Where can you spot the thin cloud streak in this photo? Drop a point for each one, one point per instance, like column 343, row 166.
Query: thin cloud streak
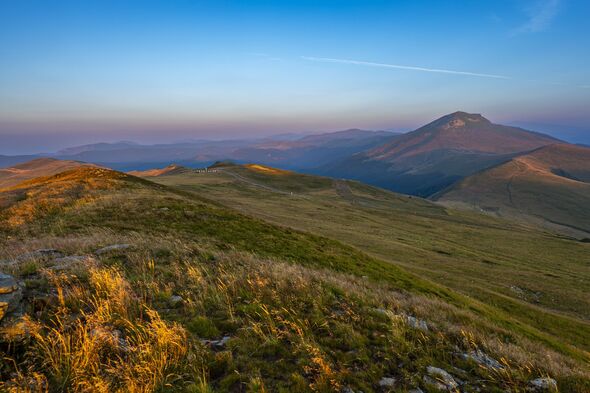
column 403, row 67
column 540, row 16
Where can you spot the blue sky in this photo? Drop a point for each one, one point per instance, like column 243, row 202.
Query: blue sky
column 84, row 71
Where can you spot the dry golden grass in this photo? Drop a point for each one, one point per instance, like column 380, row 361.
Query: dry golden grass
column 105, row 331
column 100, row 339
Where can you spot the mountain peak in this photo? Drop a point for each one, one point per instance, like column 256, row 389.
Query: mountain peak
column 459, row 120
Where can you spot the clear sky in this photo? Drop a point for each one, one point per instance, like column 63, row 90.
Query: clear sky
column 83, row 71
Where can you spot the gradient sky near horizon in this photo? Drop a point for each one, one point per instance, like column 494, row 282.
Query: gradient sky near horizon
column 76, row 72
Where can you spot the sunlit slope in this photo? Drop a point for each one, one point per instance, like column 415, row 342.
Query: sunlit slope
column 35, row 168
column 550, row 185
column 538, row 277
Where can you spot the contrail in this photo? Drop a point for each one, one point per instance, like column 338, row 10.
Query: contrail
column 402, row 67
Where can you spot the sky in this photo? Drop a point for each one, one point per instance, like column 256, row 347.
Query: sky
column 84, row 71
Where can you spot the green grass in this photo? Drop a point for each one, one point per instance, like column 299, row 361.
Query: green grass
column 539, row 278
column 304, row 310
column 292, row 328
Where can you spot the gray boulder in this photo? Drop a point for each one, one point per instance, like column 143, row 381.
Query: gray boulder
column 417, row 323
column 483, row 359
column 114, row 247
column 44, row 253
column 11, row 295
column 176, row 300
column 543, row 385
column 440, row 379
column 65, row 263
column 217, row 344
column 387, row 382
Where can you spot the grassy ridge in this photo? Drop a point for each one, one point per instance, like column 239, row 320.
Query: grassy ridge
column 236, row 276
column 539, row 278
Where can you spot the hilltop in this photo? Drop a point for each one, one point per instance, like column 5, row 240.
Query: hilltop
column 436, row 155
column 171, row 169
column 139, row 286
column 36, row 168
column 550, row 185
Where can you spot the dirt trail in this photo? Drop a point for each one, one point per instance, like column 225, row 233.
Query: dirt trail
column 263, row 186
column 344, row 191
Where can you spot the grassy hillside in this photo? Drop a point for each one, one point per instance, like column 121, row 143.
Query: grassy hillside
column 198, row 297
column 538, row 277
column 550, row 185
column 36, row 168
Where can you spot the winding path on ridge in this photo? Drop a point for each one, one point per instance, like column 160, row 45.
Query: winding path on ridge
column 263, row 186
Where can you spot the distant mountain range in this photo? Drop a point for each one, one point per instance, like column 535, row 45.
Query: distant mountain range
column 285, row 150
column 461, row 159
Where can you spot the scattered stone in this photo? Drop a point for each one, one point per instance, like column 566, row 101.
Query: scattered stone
column 217, row 344
column 387, row 382
column 543, row 385
column 10, row 295
column 114, row 247
column 417, row 390
column 44, row 253
column 176, row 300
column 483, row 359
column 440, row 379
column 67, row 262
column 70, row 259
column 346, row 389
column 417, row 323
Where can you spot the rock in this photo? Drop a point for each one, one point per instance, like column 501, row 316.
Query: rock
column 64, row 263
column 10, row 295
column 543, row 385
column 483, row 359
column 417, row 323
column 221, row 343
column 417, row 390
column 440, row 379
column 385, row 312
column 44, row 253
column 387, row 382
column 74, row 259
column 176, row 300
column 114, row 247
column 346, row 389
column 217, row 344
